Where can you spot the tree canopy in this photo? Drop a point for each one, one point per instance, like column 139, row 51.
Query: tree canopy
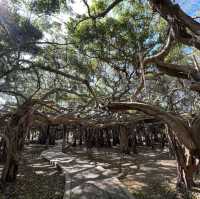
column 57, row 65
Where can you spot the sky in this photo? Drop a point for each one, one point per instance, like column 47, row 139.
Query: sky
column 191, row 7
column 79, row 7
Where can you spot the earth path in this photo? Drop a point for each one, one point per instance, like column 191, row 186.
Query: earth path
column 84, row 179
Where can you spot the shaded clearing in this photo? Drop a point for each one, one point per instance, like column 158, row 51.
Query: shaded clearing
column 151, row 174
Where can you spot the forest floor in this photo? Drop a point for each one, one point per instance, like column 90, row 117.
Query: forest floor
column 150, row 174
column 37, row 179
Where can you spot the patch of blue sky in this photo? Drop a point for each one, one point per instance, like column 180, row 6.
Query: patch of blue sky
column 191, row 7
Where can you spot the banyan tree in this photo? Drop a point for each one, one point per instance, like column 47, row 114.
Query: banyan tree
column 123, row 74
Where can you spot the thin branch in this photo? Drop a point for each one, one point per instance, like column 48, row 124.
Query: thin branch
column 107, row 10
column 14, row 93
column 55, row 90
column 75, row 78
column 88, row 7
column 101, row 14
column 164, row 51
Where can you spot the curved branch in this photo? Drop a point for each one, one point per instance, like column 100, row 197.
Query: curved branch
column 99, row 15
column 179, row 21
column 164, row 51
column 179, row 127
column 107, row 10
column 171, row 12
column 183, row 71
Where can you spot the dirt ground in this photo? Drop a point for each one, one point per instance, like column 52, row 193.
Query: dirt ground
column 37, row 179
column 151, row 174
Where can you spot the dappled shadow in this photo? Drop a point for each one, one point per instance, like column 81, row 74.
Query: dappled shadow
column 135, row 171
column 151, row 174
column 82, row 172
column 101, row 189
column 196, row 188
column 37, row 179
column 155, row 190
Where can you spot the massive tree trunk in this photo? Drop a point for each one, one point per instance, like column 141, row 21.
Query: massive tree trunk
column 17, row 129
column 11, row 165
column 14, row 149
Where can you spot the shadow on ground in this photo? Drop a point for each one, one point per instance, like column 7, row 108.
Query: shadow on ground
column 37, row 179
column 151, row 174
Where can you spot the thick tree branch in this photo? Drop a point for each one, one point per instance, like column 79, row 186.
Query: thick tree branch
column 179, row 21
column 180, row 128
column 183, row 71
column 173, row 13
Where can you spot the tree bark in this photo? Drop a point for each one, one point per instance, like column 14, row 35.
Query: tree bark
column 124, row 140
column 186, row 164
column 10, row 170
column 64, row 138
column 16, row 131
